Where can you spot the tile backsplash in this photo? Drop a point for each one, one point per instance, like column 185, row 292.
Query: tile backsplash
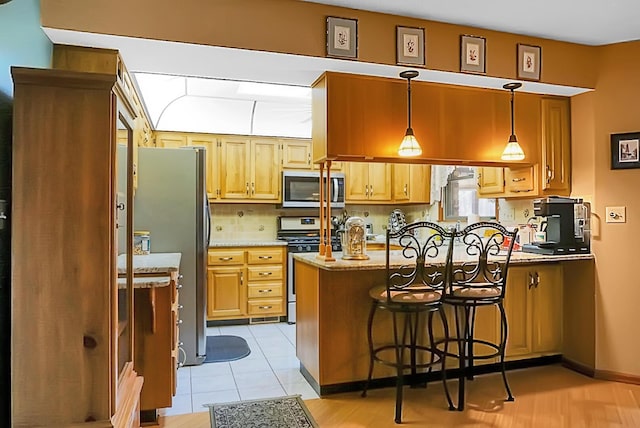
column 256, row 222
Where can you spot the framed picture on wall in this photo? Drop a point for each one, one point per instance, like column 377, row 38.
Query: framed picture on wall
column 625, row 150
column 529, row 62
column 342, row 37
column 410, row 46
column 472, row 54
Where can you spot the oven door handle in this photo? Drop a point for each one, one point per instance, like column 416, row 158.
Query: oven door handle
column 334, row 196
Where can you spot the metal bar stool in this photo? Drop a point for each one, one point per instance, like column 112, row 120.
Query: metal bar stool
column 478, row 277
column 415, row 281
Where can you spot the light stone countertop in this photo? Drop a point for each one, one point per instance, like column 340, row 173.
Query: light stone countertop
column 224, row 244
column 146, row 281
column 377, row 259
column 160, row 263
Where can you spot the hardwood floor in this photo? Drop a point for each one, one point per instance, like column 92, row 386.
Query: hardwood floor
column 550, row 396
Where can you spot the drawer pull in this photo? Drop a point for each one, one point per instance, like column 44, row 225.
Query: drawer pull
column 516, row 180
column 265, row 273
column 225, row 259
column 265, row 291
column 264, row 257
column 265, row 307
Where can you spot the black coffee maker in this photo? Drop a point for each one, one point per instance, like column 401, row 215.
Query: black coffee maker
column 567, row 226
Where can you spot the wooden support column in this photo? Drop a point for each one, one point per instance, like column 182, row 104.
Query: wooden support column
column 324, row 252
column 321, row 250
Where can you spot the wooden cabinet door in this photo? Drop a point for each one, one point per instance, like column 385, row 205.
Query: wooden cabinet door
column 209, row 142
column 357, row 181
column 171, row 140
column 556, row 146
column 490, row 181
column 235, row 165
column 265, row 170
column 296, row 154
column 420, row 184
column 226, row 293
column 401, row 182
column 547, row 309
column 517, row 304
column 380, row 182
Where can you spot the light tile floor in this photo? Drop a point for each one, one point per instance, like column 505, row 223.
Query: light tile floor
column 270, row 370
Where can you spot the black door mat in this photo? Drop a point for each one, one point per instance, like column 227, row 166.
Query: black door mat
column 226, row 348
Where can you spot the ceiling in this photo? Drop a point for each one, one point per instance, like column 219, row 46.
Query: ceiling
column 582, row 21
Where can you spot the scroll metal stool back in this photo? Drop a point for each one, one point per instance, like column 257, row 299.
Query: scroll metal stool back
column 415, row 278
column 478, row 277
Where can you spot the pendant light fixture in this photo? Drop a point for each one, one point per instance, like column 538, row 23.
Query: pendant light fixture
column 409, row 145
column 513, row 151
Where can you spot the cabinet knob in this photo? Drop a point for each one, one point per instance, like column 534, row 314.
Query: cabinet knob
column 178, row 322
column 180, row 307
column 178, row 286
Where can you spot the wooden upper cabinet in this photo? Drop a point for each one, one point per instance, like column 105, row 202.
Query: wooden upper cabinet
column 235, row 161
column 249, row 169
column 490, row 181
column 171, row 139
column 368, row 182
column 401, row 182
column 209, row 142
column 358, row 117
column 265, row 170
column 296, row 154
column 411, row 183
column 556, row 146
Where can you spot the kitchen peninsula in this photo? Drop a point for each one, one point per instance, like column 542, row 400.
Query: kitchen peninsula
column 549, row 303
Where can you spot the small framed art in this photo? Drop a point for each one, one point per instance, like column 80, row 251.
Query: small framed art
column 625, row 150
column 472, row 54
column 342, row 37
column 410, row 46
column 529, row 62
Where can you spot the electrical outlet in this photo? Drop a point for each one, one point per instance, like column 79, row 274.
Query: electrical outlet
column 507, row 214
column 616, row 214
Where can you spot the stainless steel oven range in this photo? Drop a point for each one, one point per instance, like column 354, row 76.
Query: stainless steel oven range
column 303, row 236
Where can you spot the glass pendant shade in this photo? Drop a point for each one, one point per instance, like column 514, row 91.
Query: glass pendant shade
column 513, row 151
column 409, row 145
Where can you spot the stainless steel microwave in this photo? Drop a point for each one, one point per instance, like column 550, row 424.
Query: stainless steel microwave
column 301, row 189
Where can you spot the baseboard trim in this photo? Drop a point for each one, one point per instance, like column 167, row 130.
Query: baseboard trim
column 617, row 377
column 425, row 377
column 578, row 367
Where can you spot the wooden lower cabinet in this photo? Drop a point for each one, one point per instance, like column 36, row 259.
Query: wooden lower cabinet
column 156, row 349
column 331, row 340
column 533, row 303
column 246, row 282
column 226, row 292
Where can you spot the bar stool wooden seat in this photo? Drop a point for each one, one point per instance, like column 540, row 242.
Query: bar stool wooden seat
column 478, row 278
column 415, row 281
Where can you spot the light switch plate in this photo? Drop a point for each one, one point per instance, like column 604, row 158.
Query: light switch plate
column 616, row 214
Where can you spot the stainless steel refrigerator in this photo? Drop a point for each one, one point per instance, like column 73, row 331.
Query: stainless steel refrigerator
column 171, row 203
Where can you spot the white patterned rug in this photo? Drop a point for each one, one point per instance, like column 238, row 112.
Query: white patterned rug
column 281, row 412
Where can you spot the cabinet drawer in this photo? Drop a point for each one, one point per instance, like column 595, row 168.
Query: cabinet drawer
column 224, row 257
column 519, row 180
column 265, row 289
column 258, row 273
column 257, row 256
column 261, row 307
